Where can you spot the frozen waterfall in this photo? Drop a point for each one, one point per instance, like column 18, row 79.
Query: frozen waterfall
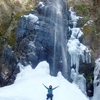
column 77, row 51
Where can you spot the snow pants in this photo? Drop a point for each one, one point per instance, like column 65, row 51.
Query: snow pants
column 49, row 96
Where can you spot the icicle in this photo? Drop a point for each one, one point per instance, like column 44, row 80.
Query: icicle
column 77, row 50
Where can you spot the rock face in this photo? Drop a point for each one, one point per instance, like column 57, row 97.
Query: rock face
column 89, row 10
column 8, row 70
column 78, row 2
column 7, row 7
column 35, row 40
column 36, row 36
column 10, row 13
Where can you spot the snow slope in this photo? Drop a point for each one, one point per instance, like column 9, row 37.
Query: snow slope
column 28, row 86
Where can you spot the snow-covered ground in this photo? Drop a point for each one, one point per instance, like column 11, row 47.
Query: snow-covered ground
column 28, row 86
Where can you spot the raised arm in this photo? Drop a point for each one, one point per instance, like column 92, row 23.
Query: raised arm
column 45, row 86
column 55, row 87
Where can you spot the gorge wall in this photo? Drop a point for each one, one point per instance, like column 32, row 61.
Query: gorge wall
column 90, row 10
column 32, row 40
column 12, row 10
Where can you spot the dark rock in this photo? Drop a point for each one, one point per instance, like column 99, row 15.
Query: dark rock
column 35, row 41
column 8, row 64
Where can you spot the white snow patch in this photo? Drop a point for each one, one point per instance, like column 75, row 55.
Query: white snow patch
column 28, row 86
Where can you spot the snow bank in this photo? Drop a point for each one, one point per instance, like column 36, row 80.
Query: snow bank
column 28, row 86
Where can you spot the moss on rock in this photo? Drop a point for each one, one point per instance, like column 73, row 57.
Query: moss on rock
column 87, row 29
column 10, row 13
column 82, row 10
column 11, row 39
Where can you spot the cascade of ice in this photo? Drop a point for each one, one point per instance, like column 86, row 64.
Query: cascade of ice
column 96, row 82
column 74, row 41
column 77, row 50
